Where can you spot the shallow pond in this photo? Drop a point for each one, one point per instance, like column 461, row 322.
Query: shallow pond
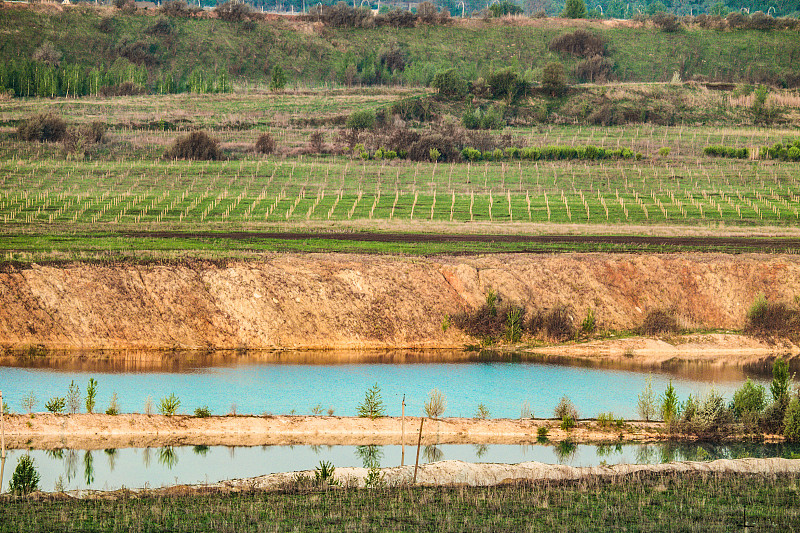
column 156, row 467
column 306, row 382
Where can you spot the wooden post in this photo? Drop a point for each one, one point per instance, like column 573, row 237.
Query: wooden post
column 419, row 442
column 403, row 433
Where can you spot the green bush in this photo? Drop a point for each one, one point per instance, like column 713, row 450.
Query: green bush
column 779, row 388
column 726, row 151
column 168, row 405
column 749, row 398
column 202, row 412
column 25, row 478
column 56, row 404
column 363, row 119
column 450, row 84
column 669, row 405
column 791, row 422
column 589, row 324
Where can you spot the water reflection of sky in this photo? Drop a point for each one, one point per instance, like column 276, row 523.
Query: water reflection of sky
column 156, row 467
column 258, row 388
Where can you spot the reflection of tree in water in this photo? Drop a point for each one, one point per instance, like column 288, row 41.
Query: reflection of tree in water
column 88, row 467
column 607, row 450
column 167, row 457
column 565, row 451
column 480, row 450
column 146, row 457
column 316, row 448
column 71, row 465
column 55, row 454
column 111, row 453
column 432, row 454
column 201, row 450
column 370, row 455
column 645, row 454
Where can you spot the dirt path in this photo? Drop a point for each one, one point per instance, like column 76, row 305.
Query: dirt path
column 98, row 431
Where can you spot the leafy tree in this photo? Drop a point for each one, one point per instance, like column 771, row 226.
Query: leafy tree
column 506, row 7
column 278, row 80
column 554, row 79
column 372, row 406
column 56, row 404
column 574, row 9
column 647, row 401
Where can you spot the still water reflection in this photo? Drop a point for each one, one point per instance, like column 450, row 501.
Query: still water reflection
column 154, row 467
column 318, row 382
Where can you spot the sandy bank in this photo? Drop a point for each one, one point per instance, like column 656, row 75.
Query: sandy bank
column 356, row 301
column 99, row 431
column 459, row 473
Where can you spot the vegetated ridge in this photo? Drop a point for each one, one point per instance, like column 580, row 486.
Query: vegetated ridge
column 320, row 300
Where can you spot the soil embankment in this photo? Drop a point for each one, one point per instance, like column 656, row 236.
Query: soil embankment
column 98, row 431
column 358, row 301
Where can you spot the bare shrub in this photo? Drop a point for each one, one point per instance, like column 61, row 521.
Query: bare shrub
column 771, row 318
column 126, row 88
column 233, row 11
column 162, row 27
column 666, row 22
column 556, row 324
column 265, row 144
column 397, row 18
column 316, row 141
column 580, row 43
column 659, row 321
column 175, row 8
column 44, row 127
column 595, row 69
column 565, row 409
column 48, row 54
column 436, row 404
column 197, row 145
column 421, row 149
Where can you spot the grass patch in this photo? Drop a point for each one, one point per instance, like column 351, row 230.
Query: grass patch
column 690, row 502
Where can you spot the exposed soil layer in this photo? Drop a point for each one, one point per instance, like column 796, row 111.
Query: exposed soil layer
column 99, row 431
column 359, row 301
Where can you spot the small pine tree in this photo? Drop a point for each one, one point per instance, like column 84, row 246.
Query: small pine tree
column 91, row 394
column 669, row 404
column 25, row 478
column 372, row 406
column 278, row 80
column 780, row 381
column 574, row 9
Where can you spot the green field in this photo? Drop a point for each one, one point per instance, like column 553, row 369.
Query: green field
column 647, row 502
column 120, row 198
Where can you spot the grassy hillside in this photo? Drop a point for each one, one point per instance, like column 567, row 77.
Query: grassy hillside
column 314, row 54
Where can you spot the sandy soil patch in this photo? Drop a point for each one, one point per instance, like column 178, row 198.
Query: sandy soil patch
column 98, row 431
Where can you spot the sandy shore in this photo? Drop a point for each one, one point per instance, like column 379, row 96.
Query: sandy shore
column 99, row 431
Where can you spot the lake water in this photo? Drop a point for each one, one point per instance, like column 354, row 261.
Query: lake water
column 157, row 467
column 300, row 383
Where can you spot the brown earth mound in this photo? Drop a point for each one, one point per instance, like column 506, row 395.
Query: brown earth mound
column 322, row 300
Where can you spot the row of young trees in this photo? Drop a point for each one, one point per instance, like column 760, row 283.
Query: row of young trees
column 25, row 77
